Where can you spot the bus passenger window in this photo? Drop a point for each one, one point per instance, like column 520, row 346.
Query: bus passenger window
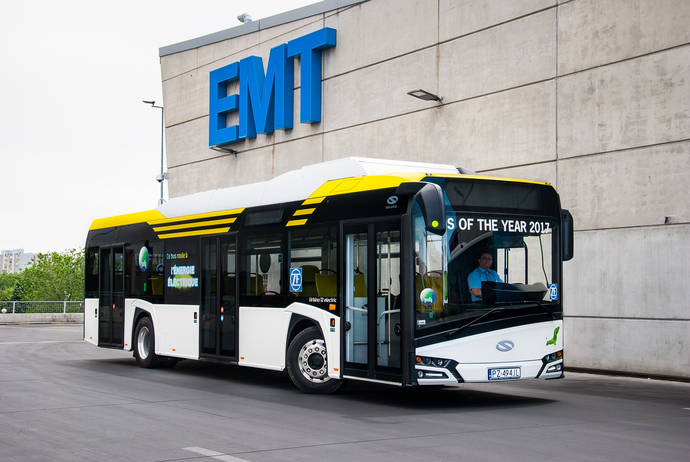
column 261, row 270
column 155, row 273
column 91, row 273
column 314, row 251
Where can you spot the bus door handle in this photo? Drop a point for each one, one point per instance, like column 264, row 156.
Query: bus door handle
column 385, row 313
column 354, row 308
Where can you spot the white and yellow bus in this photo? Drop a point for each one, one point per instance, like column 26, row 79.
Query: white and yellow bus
column 357, row 268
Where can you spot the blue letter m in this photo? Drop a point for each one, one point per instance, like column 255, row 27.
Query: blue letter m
column 265, row 99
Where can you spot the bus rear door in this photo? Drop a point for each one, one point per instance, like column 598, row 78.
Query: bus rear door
column 111, row 297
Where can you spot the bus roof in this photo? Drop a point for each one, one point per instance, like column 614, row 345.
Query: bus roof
column 308, row 184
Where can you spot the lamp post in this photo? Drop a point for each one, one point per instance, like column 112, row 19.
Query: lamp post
column 163, row 175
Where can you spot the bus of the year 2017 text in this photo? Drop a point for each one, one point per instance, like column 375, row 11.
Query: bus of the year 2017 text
column 403, row 273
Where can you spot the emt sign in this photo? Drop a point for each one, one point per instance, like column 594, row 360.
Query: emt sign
column 265, row 101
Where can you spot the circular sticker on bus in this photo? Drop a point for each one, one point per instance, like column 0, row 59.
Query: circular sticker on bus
column 427, row 296
column 143, row 259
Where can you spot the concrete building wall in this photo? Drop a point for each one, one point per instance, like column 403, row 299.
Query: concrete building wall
column 591, row 96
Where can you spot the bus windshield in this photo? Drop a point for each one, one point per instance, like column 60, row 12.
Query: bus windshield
column 484, row 261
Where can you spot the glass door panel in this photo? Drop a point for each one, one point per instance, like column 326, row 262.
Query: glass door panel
column 209, row 300
column 105, row 310
column 388, row 295
column 356, row 298
column 218, row 297
column 112, row 298
column 228, row 297
column 118, row 319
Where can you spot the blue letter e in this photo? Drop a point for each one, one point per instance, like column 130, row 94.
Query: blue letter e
column 220, row 105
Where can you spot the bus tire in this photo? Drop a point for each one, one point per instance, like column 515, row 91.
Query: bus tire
column 307, row 363
column 145, row 344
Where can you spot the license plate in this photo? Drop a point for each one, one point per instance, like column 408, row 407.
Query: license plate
column 504, row 373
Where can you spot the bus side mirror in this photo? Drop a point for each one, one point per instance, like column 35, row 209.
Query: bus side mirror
column 433, row 207
column 431, row 199
column 567, row 238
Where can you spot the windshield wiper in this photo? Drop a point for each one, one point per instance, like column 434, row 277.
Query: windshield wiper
column 454, row 331
column 508, row 305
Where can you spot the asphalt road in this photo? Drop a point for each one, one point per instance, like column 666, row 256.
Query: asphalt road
column 64, row 400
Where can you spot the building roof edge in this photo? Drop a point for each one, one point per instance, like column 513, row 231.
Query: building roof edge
column 261, row 24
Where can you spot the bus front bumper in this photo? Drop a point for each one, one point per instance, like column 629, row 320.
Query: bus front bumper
column 448, row 372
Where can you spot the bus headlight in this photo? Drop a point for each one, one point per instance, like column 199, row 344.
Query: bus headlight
column 548, row 363
column 555, row 368
column 434, row 362
column 552, row 357
column 431, row 375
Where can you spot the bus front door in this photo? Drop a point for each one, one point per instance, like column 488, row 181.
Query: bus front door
column 111, row 306
column 372, row 321
column 218, row 320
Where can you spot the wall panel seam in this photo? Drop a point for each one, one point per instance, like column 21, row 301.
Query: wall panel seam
column 627, row 318
column 631, row 148
column 622, row 60
column 653, row 225
column 528, row 164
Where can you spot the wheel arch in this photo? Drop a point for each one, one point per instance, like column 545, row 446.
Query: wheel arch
column 138, row 314
column 298, row 323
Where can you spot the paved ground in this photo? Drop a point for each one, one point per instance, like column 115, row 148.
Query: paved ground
column 63, row 400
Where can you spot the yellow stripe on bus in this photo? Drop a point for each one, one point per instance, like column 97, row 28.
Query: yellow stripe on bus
column 296, row 222
column 315, row 200
column 128, row 219
column 303, row 212
column 363, row 183
column 195, row 225
column 195, row 217
column 198, row 232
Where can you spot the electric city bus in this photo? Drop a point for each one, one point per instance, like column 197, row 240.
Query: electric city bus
column 357, row 268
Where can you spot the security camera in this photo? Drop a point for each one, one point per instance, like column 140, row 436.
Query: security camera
column 244, row 18
column 159, row 178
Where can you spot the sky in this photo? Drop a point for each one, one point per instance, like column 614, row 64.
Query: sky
column 76, row 141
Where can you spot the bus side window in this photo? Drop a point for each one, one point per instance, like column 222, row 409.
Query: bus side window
column 91, row 273
column 261, row 270
column 155, row 273
column 314, row 251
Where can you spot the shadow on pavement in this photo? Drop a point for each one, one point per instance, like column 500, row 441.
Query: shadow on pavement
column 272, row 386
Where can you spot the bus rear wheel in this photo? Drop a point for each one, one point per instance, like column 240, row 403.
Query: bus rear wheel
column 307, row 363
column 145, row 343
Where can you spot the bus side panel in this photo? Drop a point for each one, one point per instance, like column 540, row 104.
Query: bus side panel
column 263, row 332
column 91, row 320
column 331, row 335
column 177, row 331
column 131, row 305
column 175, row 327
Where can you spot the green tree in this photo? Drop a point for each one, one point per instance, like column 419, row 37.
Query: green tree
column 8, row 286
column 54, row 276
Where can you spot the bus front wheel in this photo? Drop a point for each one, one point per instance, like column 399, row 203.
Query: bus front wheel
column 307, row 363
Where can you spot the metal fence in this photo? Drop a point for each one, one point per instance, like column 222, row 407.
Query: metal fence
column 68, row 306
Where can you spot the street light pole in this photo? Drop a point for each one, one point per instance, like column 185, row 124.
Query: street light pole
column 163, row 175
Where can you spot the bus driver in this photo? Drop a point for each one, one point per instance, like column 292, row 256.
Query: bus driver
column 482, row 273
